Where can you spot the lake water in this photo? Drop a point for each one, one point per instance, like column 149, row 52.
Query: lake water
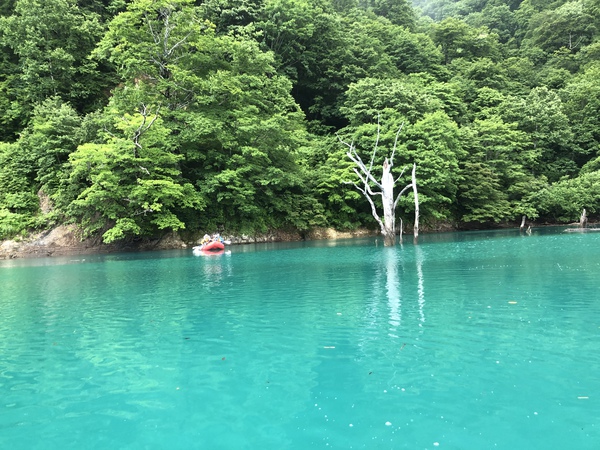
column 465, row 341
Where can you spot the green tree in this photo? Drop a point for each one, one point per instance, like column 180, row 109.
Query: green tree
column 153, row 44
column 369, row 97
column 232, row 124
column 541, row 116
column 51, row 42
column 11, row 117
column 230, row 15
column 571, row 26
column 437, row 10
column 7, row 7
column 563, row 201
column 484, row 72
column 129, row 185
column 433, row 144
column 582, row 107
column 459, row 40
column 36, row 165
column 19, row 205
column 495, row 173
column 410, row 52
column 498, row 18
column 399, row 12
column 329, row 171
column 46, row 143
column 487, row 103
column 105, row 9
column 410, row 97
column 521, row 75
column 322, row 52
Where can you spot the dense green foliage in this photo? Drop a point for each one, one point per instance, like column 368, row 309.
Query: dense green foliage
column 136, row 116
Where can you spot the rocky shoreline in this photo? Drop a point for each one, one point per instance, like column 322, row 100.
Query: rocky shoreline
column 66, row 240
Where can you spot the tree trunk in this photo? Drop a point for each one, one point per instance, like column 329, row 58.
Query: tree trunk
column 416, row 194
column 387, row 198
column 583, row 219
column 401, row 231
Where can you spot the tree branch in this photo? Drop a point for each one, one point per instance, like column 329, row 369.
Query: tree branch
column 396, row 144
column 376, row 145
column 406, row 188
column 400, row 176
column 373, row 207
column 143, row 127
column 356, row 159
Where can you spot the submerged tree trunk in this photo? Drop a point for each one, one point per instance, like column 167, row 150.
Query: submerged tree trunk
column 583, row 219
column 416, row 195
column 387, row 198
column 401, row 230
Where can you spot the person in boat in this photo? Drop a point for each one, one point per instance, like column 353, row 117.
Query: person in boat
column 205, row 239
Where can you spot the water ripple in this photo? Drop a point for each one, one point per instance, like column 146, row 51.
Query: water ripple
column 464, row 343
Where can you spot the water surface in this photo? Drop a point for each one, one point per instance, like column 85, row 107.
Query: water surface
column 465, row 341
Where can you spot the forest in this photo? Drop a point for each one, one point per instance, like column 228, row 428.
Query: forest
column 132, row 118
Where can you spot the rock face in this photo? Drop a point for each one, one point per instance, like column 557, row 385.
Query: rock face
column 167, row 242
column 291, row 236
column 62, row 240
column 330, row 233
column 68, row 240
column 273, row 236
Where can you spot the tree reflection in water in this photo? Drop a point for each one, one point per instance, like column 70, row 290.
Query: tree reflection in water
column 393, row 286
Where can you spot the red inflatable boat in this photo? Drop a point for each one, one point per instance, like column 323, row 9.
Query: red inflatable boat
column 212, row 246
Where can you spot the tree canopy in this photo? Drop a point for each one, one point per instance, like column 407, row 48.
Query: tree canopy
column 133, row 117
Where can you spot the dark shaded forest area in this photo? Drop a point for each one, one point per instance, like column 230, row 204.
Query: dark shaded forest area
column 136, row 117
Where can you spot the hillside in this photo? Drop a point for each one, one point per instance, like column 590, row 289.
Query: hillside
column 137, row 118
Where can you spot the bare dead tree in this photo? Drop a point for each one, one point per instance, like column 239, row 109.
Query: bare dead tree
column 143, row 127
column 371, row 187
column 574, row 41
column 170, row 46
column 163, row 38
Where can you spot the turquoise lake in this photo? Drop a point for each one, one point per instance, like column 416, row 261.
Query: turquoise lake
column 465, row 341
